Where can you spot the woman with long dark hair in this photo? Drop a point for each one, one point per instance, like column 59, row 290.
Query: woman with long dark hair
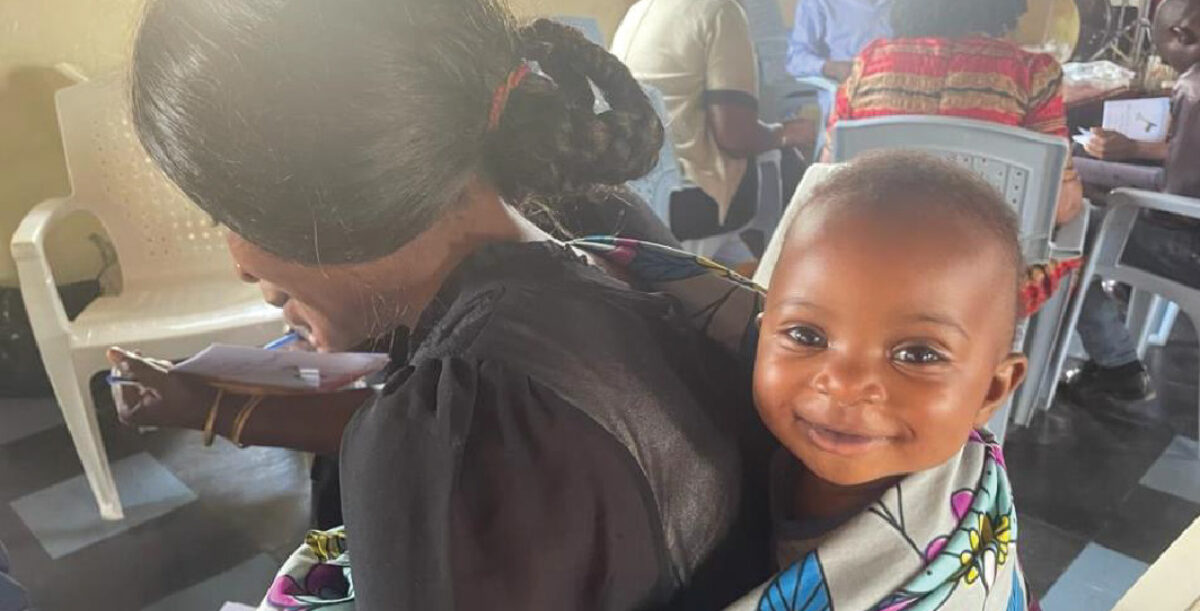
column 552, row 437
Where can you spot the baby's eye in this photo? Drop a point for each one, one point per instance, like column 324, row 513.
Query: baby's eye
column 918, row 355
column 807, row 337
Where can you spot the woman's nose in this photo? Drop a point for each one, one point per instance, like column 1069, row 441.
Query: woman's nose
column 273, row 294
column 849, row 380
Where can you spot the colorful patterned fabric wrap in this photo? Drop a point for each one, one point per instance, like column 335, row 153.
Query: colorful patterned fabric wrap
column 940, row 540
column 717, row 301
column 316, row 576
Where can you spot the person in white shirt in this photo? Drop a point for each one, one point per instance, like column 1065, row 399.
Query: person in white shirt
column 699, row 55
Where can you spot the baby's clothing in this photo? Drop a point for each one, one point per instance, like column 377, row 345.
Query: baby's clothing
column 941, row 539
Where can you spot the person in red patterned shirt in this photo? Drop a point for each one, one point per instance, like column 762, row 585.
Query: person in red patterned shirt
column 947, row 58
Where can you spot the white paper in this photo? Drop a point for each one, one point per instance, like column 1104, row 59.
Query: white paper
column 1144, row 119
column 236, row 607
column 1083, row 137
column 282, row 369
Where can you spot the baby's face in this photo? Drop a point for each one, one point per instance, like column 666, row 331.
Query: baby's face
column 882, row 347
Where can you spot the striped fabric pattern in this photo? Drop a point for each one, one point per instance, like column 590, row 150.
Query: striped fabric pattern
column 978, row 78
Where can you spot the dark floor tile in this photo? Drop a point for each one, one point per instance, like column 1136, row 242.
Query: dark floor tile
column 1146, row 524
column 1045, row 552
column 251, row 502
column 1071, row 469
column 129, row 571
column 48, row 457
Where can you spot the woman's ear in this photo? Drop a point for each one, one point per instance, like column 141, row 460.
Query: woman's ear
column 1009, row 374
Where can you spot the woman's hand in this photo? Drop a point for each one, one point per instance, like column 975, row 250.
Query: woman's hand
column 157, row 397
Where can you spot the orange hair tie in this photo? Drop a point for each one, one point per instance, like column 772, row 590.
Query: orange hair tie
column 500, row 96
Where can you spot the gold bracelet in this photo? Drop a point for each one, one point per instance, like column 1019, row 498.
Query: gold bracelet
column 239, row 423
column 211, row 421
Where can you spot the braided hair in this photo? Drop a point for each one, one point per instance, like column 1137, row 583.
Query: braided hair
column 338, row 132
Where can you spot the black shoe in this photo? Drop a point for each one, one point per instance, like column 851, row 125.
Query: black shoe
column 1124, row 393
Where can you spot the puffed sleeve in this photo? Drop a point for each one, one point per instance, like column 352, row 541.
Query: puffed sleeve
column 469, row 486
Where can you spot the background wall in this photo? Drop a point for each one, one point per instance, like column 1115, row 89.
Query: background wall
column 94, row 36
column 35, row 36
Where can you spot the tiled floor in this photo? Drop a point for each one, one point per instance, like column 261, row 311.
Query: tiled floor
column 1099, row 502
column 205, row 525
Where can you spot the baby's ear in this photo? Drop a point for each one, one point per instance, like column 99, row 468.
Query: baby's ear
column 758, row 318
column 1009, row 374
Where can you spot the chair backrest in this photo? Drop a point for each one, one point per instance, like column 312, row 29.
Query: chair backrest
column 1025, row 166
column 656, row 187
column 588, row 25
column 765, row 18
column 157, row 232
column 770, row 36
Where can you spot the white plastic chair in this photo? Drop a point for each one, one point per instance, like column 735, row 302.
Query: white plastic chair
column 180, row 290
column 780, row 94
column 1104, row 261
column 655, row 188
column 816, row 174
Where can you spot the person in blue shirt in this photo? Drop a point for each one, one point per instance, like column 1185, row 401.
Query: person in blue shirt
column 829, row 33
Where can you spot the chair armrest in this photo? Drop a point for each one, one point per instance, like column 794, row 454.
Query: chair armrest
column 1069, row 239
column 1153, row 200
column 817, row 83
column 33, row 268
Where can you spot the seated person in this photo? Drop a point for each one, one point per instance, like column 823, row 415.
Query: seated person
column 699, row 55
column 1115, row 381
column 829, row 33
column 947, row 59
column 883, row 352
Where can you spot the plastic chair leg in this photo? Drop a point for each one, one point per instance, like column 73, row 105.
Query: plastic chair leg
column 1139, row 318
column 75, row 400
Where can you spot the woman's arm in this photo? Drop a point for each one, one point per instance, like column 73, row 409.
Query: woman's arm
column 309, row 423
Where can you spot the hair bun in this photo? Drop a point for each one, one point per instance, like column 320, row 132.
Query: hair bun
column 550, row 140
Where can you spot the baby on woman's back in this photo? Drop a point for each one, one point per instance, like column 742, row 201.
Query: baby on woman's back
column 885, row 348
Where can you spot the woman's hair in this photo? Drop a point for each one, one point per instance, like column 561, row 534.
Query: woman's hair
column 336, row 132
column 955, row 18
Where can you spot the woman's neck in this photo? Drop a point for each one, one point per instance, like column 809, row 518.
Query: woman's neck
column 814, row 497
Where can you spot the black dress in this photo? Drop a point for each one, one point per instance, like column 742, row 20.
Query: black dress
column 555, row 440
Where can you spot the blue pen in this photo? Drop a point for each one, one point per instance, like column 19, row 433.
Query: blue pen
column 114, row 380
column 283, row 341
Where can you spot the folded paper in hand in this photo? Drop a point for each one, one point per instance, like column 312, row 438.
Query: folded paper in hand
column 282, row 370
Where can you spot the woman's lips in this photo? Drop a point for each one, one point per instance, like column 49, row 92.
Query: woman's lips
column 838, row 441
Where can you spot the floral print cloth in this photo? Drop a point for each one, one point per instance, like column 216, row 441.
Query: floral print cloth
column 316, row 576
column 944, row 539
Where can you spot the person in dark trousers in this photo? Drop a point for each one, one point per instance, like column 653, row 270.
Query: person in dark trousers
column 1115, row 380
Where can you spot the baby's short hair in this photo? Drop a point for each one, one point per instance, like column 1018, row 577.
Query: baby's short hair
column 906, row 184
